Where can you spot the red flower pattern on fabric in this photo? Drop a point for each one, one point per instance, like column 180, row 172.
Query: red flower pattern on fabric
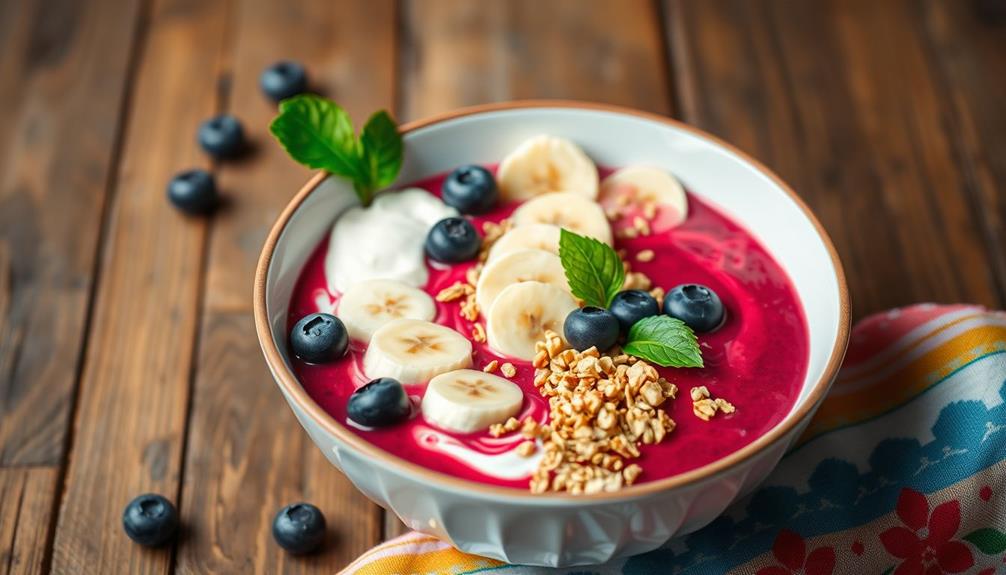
column 925, row 544
column 985, row 493
column 790, row 550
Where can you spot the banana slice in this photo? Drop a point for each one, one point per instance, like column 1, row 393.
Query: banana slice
column 413, row 351
column 521, row 314
column 544, row 237
column 629, row 190
column 466, row 400
column 368, row 305
column 546, row 164
column 517, row 267
column 566, row 210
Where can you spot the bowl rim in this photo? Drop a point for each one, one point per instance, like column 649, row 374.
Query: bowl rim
column 295, row 392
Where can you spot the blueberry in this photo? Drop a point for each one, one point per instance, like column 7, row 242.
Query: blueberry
column 299, row 528
column 470, row 189
column 150, row 520
column 453, row 240
column 283, row 80
column 591, row 326
column 193, row 192
column 222, row 136
column 632, row 305
column 696, row 305
column 380, row 403
column 319, row 338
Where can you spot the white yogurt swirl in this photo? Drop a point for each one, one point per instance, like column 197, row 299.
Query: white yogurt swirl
column 385, row 240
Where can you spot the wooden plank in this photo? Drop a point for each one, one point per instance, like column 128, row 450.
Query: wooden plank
column 134, row 391
column 247, row 457
column 457, row 53
column 26, row 505
column 840, row 99
column 349, row 50
column 967, row 45
column 64, row 71
column 243, row 439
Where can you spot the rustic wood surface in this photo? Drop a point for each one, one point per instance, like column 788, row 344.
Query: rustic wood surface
column 128, row 361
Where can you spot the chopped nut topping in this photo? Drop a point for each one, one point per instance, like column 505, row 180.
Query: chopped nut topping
column 649, row 210
column 658, row 294
column 641, row 225
column 526, row 448
column 490, row 233
column 470, row 309
column 453, row 292
column 491, row 366
column 508, row 370
column 645, row 256
column 627, row 233
column 631, row 473
column 705, row 407
column 478, row 333
column 472, row 277
column 601, row 408
column 636, row 280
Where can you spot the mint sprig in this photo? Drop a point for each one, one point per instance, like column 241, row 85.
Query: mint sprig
column 593, row 269
column 665, row 341
column 317, row 133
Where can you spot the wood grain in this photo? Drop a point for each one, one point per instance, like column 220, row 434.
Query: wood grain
column 61, row 96
column 127, row 351
column 348, row 48
column 967, row 42
column 248, row 457
column 840, row 99
column 457, row 53
column 26, row 504
column 134, row 393
column 245, row 444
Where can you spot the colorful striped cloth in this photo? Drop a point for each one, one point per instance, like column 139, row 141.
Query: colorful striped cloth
column 902, row 471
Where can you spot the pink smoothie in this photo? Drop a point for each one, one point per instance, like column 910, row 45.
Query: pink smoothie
column 757, row 360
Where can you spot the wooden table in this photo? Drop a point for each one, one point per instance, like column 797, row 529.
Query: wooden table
column 128, row 359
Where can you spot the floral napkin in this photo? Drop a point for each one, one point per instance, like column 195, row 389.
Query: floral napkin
column 902, row 471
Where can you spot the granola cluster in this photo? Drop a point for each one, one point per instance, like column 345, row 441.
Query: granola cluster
column 705, row 407
column 601, row 408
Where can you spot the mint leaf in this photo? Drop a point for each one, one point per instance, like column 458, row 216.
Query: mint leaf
column 382, row 149
column 317, row 133
column 593, row 269
column 988, row 540
column 665, row 341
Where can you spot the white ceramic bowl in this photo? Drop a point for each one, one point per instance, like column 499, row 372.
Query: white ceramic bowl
column 563, row 530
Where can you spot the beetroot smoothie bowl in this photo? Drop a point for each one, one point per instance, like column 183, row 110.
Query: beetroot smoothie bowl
column 561, row 333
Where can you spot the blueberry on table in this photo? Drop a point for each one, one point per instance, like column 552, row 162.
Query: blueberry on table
column 319, row 338
column 380, row 403
column 193, row 192
column 283, row 80
column 222, row 136
column 591, row 326
column 696, row 305
column 299, row 528
column 150, row 520
column 470, row 189
column 632, row 305
column 453, row 240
